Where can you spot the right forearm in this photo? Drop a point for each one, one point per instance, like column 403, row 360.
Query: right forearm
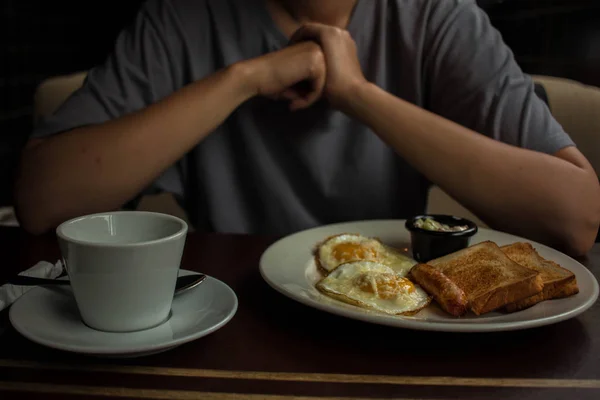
column 98, row 168
column 101, row 167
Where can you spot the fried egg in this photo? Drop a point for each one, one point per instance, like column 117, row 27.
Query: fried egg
column 371, row 285
column 397, row 261
column 346, row 247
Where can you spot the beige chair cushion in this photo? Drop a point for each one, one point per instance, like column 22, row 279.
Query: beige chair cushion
column 575, row 106
column 52, row 92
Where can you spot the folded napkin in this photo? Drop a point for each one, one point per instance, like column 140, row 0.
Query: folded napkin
column 10, row 293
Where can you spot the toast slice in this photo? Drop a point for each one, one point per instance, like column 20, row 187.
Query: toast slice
column 488, row 277
column 558, row 281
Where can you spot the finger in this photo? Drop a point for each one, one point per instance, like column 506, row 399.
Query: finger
column 305, row 102
column 310, row 98
column 320, row 79
column 290, row 94
column 300, row 104
column 310, row 31
column 318, row 86
column 312, row 93
column 275, row 97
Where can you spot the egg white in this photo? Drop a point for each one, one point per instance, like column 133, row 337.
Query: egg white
column 325, row 251
column 394, row 259
column 340, row 284
column 376, row 252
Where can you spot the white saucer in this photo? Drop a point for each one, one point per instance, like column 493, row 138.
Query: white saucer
column 49, row 316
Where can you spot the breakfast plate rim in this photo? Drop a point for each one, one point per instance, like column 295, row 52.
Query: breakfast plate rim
column 98, row 349
column 269, row 269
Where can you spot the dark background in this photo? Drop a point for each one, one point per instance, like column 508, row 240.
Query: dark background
column 43, row 38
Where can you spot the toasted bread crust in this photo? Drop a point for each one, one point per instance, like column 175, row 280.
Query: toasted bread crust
column 481, row 268
column 488, row 277
column 564, row 287
column 526, row 255
column 551, row 291
column 504, row 295
column 558, row 281
column 524, row 303
column 569, row 289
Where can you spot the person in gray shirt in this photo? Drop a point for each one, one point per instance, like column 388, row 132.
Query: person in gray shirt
column 273, row 116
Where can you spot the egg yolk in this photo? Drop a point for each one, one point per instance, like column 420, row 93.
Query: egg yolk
column 345, row 252
column 385, row 286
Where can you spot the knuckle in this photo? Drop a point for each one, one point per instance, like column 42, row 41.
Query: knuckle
column 317, row 60
column 317, row 55
column 313, row 47
column 320, row 58
column 339, row 31
column 302, row 28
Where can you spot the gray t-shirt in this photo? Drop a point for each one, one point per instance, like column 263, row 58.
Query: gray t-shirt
column 269, row 170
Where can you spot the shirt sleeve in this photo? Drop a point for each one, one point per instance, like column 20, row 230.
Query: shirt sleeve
column 473, row 79
column 137, row 73
column 144, row 67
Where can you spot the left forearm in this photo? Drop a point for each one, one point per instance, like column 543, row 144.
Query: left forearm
column 518, row 190
column 552, row 199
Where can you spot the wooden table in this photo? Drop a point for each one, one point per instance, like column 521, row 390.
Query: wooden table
column 277, row 348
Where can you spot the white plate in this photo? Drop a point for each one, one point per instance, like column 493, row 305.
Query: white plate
column 288, row 266
column 49, row 316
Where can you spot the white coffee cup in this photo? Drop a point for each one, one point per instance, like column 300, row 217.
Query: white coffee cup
column 123, row 267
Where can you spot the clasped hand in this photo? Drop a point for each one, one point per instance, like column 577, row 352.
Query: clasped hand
column 321, row 61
